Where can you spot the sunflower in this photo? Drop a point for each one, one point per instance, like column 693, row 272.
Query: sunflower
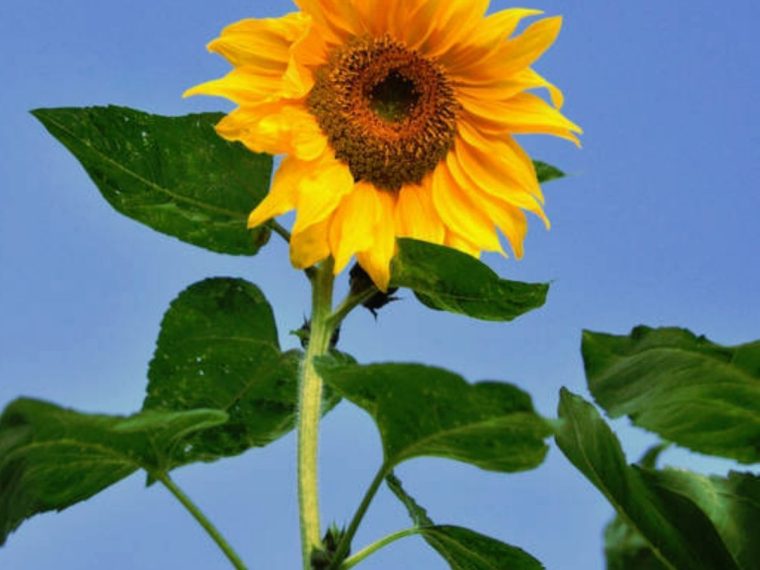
column 396, row 119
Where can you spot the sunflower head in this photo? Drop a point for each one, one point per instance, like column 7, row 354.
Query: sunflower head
column 396, row 119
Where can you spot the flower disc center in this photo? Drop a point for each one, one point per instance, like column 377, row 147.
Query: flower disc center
column 388, row 112
column 394, row 97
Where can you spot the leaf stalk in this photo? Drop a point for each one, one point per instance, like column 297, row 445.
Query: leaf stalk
column 367, row 551
column 345, row 541
column 199, row 516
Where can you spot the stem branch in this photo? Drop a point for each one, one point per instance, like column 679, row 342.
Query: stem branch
column 375, row 546
column 349, row 304
column 345, row 542
column 194, row 510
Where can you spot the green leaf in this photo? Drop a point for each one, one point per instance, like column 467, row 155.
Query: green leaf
column 547, row 172
column 425, row 411
column 679, row 532
column 463, row 548
column 685, row 388
column 448, row 280
column 218, row 349
column 51, row 457
column 173, row 174
column 652, row 455
column 732, row 504
column 624, row 547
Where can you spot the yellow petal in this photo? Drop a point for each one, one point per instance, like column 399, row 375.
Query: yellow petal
column 416, row 216
column 397, row 18
column 322, row 186
column 300, row 131
column 376, row 261
column 336, row 18
column 491, row 159
column 300, row 184
column 283, row 194
column 459, row 214
column 464, row 245
column 403, row 20
column 454, row 21
column 508, row 88
column 492, row 176
column 487, row 36
column 529, row 76
column 353, row 224
column 510, row 56
column 275, row 128
column 531, row 114
column 508, row 218
column 419, row 21
column 524, row 113
column 242, row 85
column 528, row 166
column 309, row 246
column 262, row 52
column 526, row 48
column 499, row 26
column 375, row 15
column 262, row 44
column 312, row 49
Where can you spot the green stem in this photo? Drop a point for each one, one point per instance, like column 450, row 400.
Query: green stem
column 194, row 510
column 349, row 304
column 375, row 546
column 279, row 230
column 310, row 410
column 345, row 542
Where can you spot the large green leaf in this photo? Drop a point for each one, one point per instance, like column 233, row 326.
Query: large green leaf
column 678, row 529
column 685, row 388
column 51, row 457
column 463, row 548
column 218, row 349
column 174, row 174
column 624, row 547
column 448, row 280
column 732, row 504
column 425, row 411
column 546, row 172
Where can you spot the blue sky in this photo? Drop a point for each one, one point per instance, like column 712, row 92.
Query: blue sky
column 657, row 224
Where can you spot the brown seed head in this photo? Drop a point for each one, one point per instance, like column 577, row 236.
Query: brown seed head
column 388, row 112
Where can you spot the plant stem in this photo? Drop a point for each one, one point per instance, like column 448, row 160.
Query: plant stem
column 349, row 304
column 194, row 510
column 310, row 410
column 279, row 230
column 375, row 546
column 345, row 542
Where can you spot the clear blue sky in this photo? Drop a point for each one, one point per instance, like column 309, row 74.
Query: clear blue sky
column 658, row 224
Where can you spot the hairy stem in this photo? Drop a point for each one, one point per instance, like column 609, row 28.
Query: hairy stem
column 375, row 546
column 345, row 542
column 194, row 510
column 310, row 408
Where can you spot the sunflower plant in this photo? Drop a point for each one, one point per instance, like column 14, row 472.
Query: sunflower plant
column 395, row 124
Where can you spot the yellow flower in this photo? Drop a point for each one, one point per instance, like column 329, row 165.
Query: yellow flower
column 397, row 118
